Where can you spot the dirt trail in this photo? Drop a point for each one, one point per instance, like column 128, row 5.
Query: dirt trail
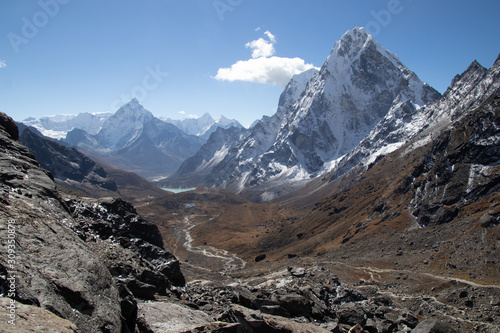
column 372, row 271
column 228, row 261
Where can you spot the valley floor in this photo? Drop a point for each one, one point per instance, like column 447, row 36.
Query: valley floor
column 241, row 254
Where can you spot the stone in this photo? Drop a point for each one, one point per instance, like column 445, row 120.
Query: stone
column 141, row 290
column 351, row 313
column 29, row 318
column 298, row 272
column 163, row 317
column 294, row 304
column 245, row 297
column 433, row 326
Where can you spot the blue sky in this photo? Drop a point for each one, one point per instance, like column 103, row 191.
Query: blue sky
column 72, row 56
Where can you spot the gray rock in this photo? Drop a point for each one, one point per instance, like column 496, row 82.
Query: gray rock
column 53, row 269
column 255, row 321
column 433, row 326
column 167, row 317
column 294, row 304
column 351, row 313
column 31, row 319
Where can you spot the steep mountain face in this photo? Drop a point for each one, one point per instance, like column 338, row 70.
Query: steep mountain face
column 194, row 169
column 233, row 150
column 461, row 168
column 336, row 108
column 132, row 123
column 66, row 164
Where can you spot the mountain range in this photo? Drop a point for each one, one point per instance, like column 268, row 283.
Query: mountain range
column 132, row 138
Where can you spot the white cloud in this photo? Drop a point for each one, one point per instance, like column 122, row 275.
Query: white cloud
column 271, row 37
column 274, row 70
column 2, row 64
column 264, row 67
column 187, row 116
column 261, row 48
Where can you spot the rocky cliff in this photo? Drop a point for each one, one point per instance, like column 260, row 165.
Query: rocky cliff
column 83, row 260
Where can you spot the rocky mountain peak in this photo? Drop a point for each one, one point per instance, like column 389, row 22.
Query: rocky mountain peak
column 124, row 126
column 354, row 90
column 348, row 48
column 474, row 70
column 132, row 109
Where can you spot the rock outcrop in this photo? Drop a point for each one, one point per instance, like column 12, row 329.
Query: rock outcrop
column 84, row 260
column 51, row 267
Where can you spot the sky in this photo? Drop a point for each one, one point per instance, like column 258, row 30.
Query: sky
column 183, row 58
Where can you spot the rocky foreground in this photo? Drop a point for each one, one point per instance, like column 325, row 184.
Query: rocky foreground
column 74, row 264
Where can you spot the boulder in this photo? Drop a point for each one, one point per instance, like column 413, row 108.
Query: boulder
column 31, row 319
column 433, row 326
column 168, row 317
column 294, row 304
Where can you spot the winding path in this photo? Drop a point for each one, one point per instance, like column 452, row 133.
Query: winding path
column 229, row 260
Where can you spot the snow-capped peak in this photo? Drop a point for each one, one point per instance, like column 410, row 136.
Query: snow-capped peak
column 124, row 126
column 133, row 107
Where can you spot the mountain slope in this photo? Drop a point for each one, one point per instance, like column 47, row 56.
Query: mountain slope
column 81, row 290
column 85, row 260
column 67, row 164
column 355, row 88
